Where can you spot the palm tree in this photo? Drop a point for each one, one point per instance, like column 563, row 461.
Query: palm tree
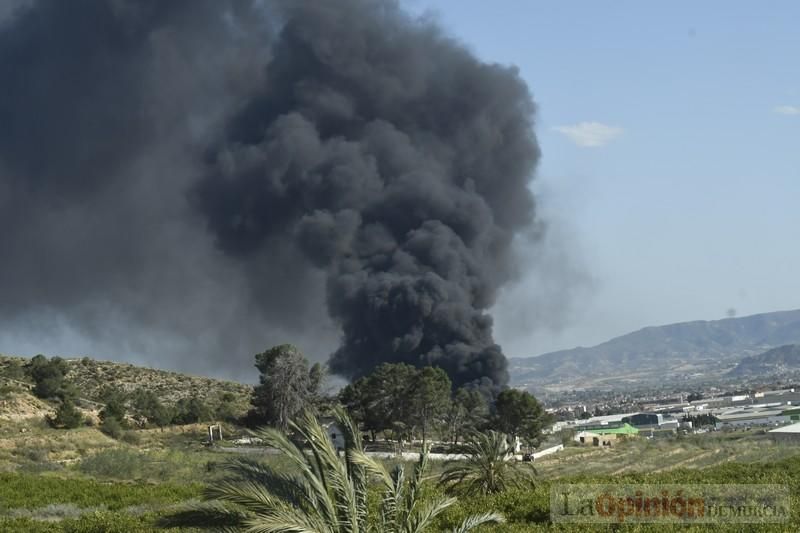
column 326, row 494
column 489, row 467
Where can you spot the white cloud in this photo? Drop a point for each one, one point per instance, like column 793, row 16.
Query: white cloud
column 590, row 134
column 787, row 110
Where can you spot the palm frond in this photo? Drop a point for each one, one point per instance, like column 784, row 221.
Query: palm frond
column 372, row 466
column 357, row 472
column 283, row 486
column 474, row 521
column 392, row 508
column 421, row 519
column 335, row 470
column 250, row 496
column 285, row 519
column 327, row 493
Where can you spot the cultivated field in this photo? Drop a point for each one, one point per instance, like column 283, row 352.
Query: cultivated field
column 663, row 455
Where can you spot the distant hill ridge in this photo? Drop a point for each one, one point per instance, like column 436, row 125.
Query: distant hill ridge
column 663, row 350
column 782, row 359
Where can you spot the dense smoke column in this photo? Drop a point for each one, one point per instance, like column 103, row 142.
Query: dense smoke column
column 395, row 161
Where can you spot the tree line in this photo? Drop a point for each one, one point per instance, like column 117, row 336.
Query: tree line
column 397, row 400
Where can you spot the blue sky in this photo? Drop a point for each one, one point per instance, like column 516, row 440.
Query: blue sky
column 670, row 175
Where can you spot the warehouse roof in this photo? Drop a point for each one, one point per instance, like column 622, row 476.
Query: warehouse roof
column 748, row 414
column 624, row 429
column 791, row 428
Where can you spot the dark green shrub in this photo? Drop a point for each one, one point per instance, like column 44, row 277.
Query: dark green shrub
column 116, row 464
column 67, row 416
column 191, row 411
column 131, row 437
column 115, row 405
column 47, row 375
column 112, row 427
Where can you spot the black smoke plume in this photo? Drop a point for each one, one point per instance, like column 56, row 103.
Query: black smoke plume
column 399, row 164
column 209, row 169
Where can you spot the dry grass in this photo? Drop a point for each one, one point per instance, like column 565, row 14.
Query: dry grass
column 18, row 405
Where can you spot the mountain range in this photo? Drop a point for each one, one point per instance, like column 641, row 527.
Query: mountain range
column 686, row 350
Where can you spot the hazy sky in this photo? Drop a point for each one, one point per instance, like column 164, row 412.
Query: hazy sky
column 670, row 135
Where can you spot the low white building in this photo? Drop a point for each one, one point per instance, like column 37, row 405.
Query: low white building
column 787, row 434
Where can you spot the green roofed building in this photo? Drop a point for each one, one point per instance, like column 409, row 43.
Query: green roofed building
column 793, row 414
column 624, row 429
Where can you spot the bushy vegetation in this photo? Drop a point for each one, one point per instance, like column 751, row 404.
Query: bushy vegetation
column 112, row 427
column 28, row 491
column 145, row 409
column 67, row 415
column 47, row 376
column 116, row 463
